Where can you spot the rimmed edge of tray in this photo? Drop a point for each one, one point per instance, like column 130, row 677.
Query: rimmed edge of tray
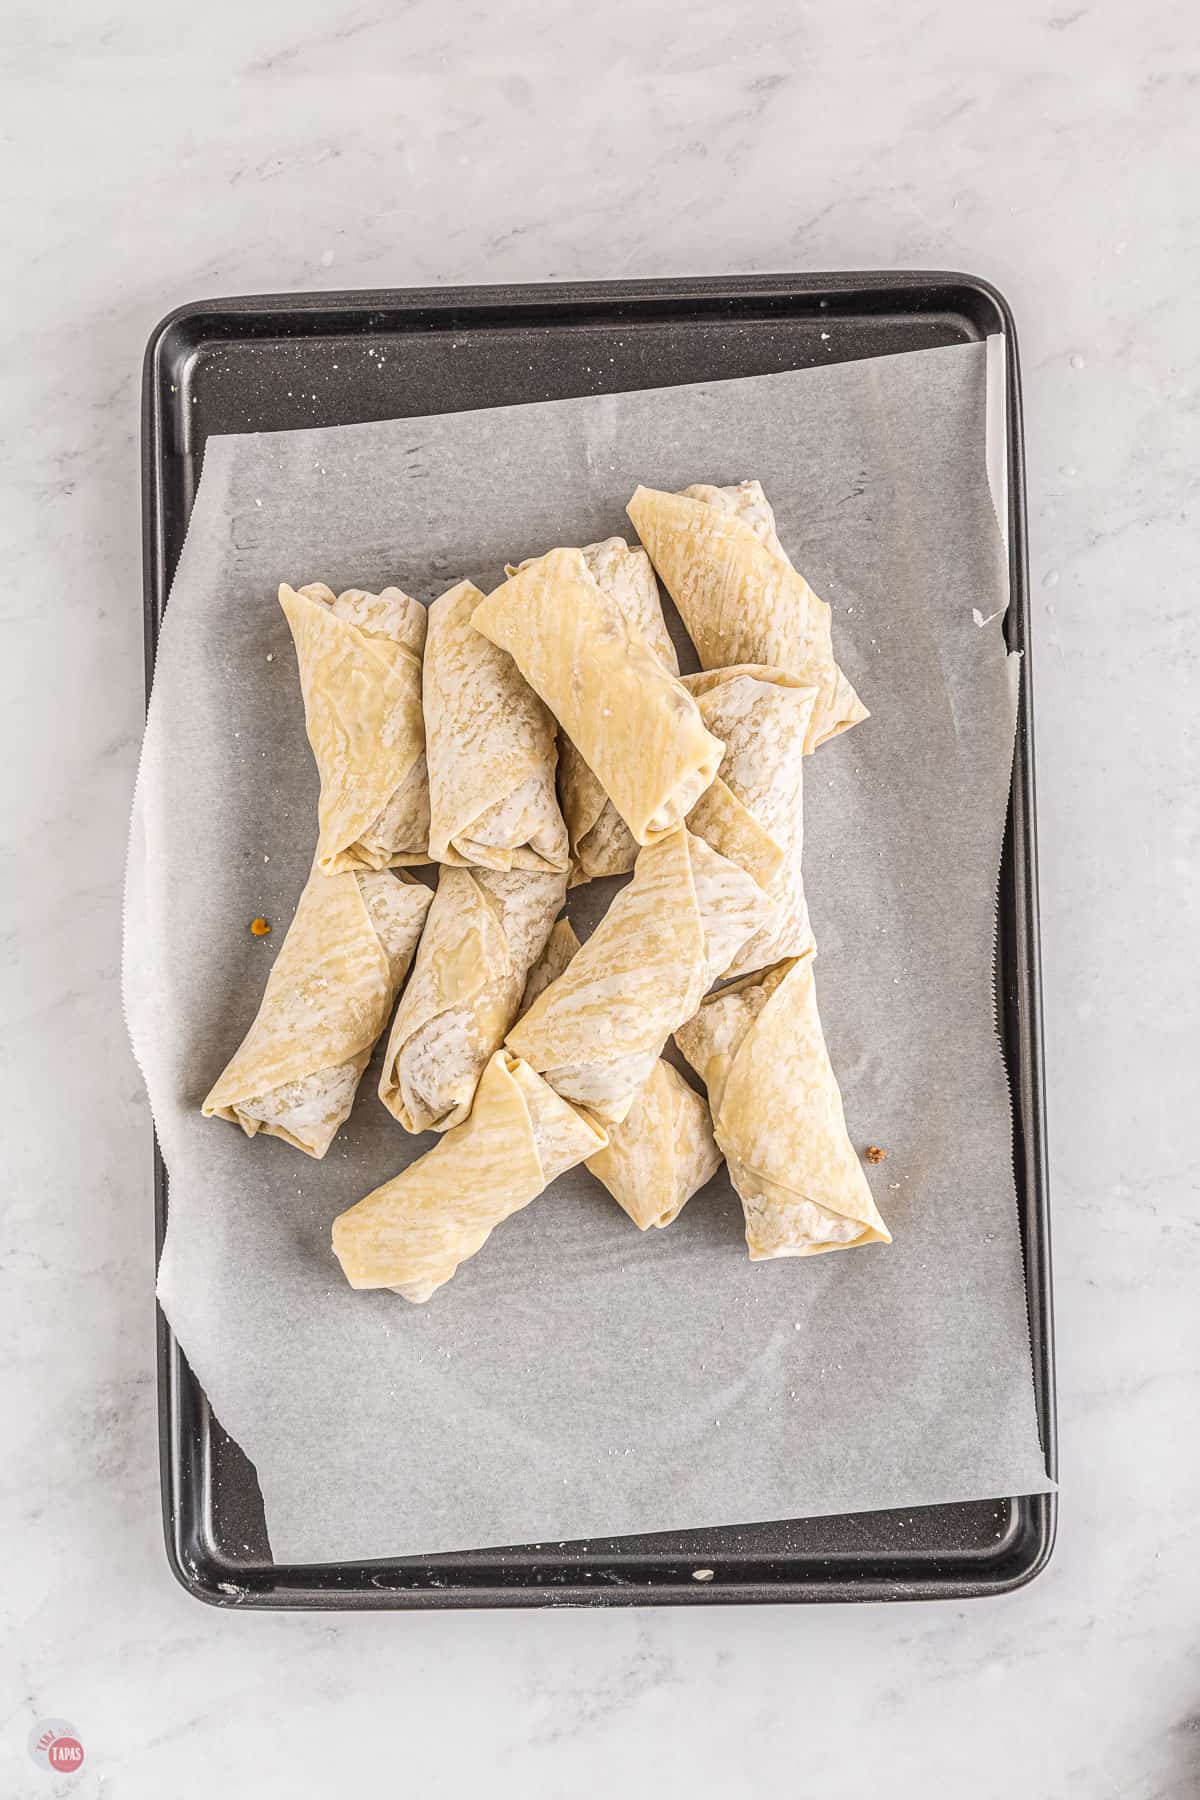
column 560, row 1575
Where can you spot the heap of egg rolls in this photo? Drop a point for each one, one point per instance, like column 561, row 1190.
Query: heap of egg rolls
column 523, row 741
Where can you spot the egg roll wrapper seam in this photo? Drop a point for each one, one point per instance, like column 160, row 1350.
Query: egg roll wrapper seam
column 763, row 715
column 743, row 602
column 777, row 1115
column 362, row 711
column 557, row 952
column 597, row 1030
column 600, row 841
column 470, row 971
column 730, row 828
column 661, row 1153
column 490, row 742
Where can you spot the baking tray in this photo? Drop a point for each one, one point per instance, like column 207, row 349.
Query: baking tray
column 273, row 363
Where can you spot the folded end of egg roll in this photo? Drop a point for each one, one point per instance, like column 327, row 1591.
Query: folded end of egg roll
column 491, row 747
column 413, row 1233
column 759, row 1048
column 326, row 1001
column 661, row 1153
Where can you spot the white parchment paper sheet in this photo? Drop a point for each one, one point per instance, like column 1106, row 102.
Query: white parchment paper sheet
column 577, row 1378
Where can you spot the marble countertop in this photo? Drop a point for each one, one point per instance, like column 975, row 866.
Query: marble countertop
column 151, row 159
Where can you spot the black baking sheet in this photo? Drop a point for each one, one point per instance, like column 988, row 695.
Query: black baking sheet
column 279, row 363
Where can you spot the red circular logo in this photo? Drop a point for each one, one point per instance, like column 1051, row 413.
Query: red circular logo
column 66, row 1754
column 54, row 1745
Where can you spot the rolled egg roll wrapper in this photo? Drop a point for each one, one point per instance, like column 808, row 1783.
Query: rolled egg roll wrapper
column 600, row 841
column 484, row 931
column 411, row 1234
column 326, row 1001
column 662, row 1152
column 360, row 674
column 777, row 1114
column 635, row 725
column 596, row 1032
column 763, row 715
column 491, row 748
column 739, row 596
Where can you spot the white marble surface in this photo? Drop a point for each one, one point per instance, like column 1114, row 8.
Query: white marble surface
column 151, row 158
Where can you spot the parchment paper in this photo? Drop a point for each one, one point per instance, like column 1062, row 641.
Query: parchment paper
column 578, row 1378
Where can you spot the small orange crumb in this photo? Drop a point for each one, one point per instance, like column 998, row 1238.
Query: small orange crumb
column 875, row 1154
column 260, row 928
